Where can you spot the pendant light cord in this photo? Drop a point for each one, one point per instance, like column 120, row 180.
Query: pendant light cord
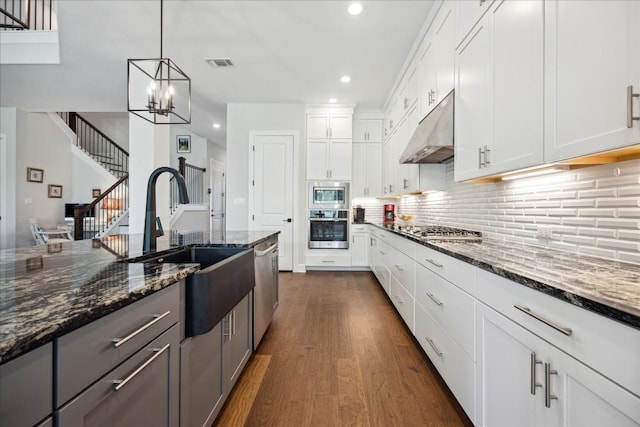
column 161, row 15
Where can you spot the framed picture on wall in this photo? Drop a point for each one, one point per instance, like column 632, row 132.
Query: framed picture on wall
column 55, row 191
column 35, row 175
column 183, row 143
column 95, row 192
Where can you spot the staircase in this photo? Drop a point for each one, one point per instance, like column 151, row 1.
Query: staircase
column 113, row 204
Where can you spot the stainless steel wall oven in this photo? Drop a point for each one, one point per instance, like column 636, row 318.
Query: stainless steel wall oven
column 328, row 229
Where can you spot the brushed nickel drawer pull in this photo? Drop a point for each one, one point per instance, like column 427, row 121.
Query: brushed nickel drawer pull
column 527, row 310
column 548, row 397
column 158, row 351
column 630, row 96
column 434, row 347
column 399, row 300
column 436, row 300
column 398, row 267
column 117, row 342
column 432, row 262
column 534, row 382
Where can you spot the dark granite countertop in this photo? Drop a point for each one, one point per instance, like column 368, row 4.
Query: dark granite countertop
column 609, row 288
column 50, row 290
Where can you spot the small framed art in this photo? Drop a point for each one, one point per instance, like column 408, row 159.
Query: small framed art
column 35, row 175
column 55, row 191
column 183, row 143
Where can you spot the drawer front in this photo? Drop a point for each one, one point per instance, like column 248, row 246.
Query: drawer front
column 606, row 346
column 359, row 228
column 455, row 366
column 384, row 253
column 148, row 394
column 88, row 353
column 383, row 275
column 403, row 302
column 403, row 268
column 402, row 244
column 26, row 387
column 460, row 273
column 329, row 260
column 452, row 308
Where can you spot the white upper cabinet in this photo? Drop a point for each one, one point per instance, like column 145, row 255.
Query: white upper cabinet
column 329, row 126
column 473, row 103
column 517, row 41
column 469, row 13
column 367, row 169
column 367, row 130
column 499, row 86
column 437, row 59
column 592, row 54
column 445, row 50
column 329, row 137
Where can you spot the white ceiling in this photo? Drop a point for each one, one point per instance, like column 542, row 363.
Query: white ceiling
column 284, row 52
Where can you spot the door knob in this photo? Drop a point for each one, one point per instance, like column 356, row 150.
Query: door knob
column 287, row 220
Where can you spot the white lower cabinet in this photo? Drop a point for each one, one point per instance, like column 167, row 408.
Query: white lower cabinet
column 455, row 366
column 524, row 381
column 359, row 245
column 402, row 300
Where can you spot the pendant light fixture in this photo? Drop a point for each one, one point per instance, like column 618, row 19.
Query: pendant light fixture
column 158, row 90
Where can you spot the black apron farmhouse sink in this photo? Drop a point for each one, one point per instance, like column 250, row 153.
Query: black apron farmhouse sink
column 225, row 278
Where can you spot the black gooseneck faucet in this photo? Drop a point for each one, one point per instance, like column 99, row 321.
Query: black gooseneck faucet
column 152, row 225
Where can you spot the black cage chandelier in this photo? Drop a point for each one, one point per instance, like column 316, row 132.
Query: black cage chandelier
column 158, row 90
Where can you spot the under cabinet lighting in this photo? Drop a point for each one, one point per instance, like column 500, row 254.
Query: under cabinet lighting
column 534, row 172
column 216, row 125
column 345, row 79
column 333, row 100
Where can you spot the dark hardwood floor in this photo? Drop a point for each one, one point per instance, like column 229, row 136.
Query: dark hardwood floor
column 337, row 354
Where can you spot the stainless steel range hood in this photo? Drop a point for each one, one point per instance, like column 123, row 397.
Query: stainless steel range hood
column 432, row 142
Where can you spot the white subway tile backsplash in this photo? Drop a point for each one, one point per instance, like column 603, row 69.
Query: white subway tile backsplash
column 617, row 244
column 629, row 213
column 590, row 210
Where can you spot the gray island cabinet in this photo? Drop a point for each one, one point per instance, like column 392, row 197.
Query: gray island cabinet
column 98, row 338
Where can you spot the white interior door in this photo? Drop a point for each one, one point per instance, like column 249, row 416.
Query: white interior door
column 273, row 190
column 217, row 198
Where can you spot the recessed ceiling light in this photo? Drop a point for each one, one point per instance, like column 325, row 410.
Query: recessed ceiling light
column 333, row 100
column 345, row 79
column 355, row 8
column 216, row 125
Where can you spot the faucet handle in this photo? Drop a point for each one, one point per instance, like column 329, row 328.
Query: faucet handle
column 159, row 230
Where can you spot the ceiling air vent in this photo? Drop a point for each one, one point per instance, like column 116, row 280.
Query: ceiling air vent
column 219, row 62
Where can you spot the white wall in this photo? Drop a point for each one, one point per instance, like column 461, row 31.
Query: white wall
column 242, row 119
column 8, row 196
column 86, row 175
column 40, row 144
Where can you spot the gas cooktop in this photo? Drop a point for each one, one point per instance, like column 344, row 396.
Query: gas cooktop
column 436, row 232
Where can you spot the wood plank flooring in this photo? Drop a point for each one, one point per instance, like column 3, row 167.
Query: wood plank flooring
column 337, row 354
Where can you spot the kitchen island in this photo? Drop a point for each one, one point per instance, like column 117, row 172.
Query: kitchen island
column 53, row 295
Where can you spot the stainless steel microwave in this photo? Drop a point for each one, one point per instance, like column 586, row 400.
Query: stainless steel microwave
column 329, row 195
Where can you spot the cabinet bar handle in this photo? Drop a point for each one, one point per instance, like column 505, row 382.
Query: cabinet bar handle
column 117, row 342
column 480, row 164
column 534, row 383
column 328, row 261
column 399, row 299
column 548, row 397
column 527, row 310
column 630, row 96
column 234, row 322
column 382, row 253
column 436, row 300
column 430, row 261
column 434, row 347
column 158, row 351
column 398, row 267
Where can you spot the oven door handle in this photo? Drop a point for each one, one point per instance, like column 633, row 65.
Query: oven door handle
column 328, row 219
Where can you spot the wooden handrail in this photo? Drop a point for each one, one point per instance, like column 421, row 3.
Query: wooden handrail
column 99, row 132
column 79, row 212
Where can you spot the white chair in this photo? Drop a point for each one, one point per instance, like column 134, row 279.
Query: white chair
column 43, row 237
